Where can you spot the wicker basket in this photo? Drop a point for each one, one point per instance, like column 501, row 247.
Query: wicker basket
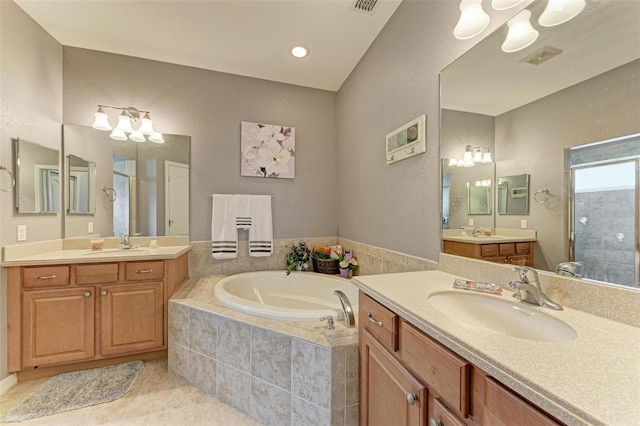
column 325, row 266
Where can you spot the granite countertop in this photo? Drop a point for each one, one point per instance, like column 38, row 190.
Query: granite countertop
column 594, row 379
column 489, row 239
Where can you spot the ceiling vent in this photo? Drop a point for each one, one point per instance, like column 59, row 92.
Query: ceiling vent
column 364, row 6
column 541, row 55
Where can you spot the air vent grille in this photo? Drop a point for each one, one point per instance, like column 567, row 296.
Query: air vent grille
column 365, row 6
column 541, row 55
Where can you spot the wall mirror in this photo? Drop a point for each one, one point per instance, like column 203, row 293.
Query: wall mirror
column 37, row 178
column 80, row 185
column 576, row 85
column 466, row 195
column 513, row 195
column 140, row 188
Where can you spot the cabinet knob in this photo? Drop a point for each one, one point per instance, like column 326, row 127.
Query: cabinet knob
column 434, row 422
column 412, row 398
column 87, row 293
column 103, row 293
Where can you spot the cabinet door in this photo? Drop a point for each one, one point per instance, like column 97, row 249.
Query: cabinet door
column 504, row 408
column 389, row 394
column 131, row 318
column 58, row 326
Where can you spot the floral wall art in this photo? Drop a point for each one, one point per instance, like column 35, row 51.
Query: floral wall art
column 267, row 150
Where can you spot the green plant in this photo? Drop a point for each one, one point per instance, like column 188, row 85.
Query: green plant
column 298, row 256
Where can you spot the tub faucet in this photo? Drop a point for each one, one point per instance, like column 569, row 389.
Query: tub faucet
column 347, row 310
column 527, row 289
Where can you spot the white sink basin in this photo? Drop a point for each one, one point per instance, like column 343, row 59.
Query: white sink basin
column 112, row 251
column 501, row 316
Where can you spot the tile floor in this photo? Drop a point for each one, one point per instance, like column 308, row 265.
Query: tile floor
column 156, row 398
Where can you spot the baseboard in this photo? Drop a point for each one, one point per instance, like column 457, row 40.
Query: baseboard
column 8, row 382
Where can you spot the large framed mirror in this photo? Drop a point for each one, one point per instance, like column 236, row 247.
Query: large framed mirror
column 37, row 178
column 141, row 188
column 577, row 85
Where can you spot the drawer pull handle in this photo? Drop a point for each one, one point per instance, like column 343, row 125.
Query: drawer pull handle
column 103, row 293
column 489, row 250
column 87, row 293
column 434, row 422
column 144, row 271
column 45, row 277
column 376, row 322
column 412, row 398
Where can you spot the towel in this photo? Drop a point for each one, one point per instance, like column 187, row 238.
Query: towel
column 243, row 211
column 261, row 231
column 224, row 234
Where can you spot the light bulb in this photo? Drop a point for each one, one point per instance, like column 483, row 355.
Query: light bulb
column 102, row 121
column 521, row 34
column 473, row 20
column 300, row 51
column 124, row 123
column 156, row 138
column 136, row 136
column 146, row 125
column 486, row 157
column 469, row 163
column 560, row 11
column 453, row 162
column 118, row 135
column 477, row 156
column 505, row 4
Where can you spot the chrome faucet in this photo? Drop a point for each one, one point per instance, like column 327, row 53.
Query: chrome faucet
column 527, row 289
column 125, row 243
column 568, row 269
column 347, row 310
column 475, row 232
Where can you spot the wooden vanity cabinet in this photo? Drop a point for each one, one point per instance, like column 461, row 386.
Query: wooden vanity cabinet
column 89, row 312
column 514, row 253
column 423, row 380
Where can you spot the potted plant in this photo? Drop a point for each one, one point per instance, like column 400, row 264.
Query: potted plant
column 298, row 256
column 347, row 264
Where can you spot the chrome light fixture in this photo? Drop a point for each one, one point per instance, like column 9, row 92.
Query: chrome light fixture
column 472, row 155
column 560, row 11
column 473, row 20
column 128, row 116
column 521, row 34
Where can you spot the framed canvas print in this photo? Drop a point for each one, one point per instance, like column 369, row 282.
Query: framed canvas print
column 407, row 141
column 267, row 150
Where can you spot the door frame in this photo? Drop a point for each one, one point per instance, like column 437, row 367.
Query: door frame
column 167, row 165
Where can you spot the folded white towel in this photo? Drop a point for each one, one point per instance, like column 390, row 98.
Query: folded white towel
column 243, row 211
column 224, row 234
column 261, row 231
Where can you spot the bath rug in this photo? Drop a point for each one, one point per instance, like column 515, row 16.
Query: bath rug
column 77, row 389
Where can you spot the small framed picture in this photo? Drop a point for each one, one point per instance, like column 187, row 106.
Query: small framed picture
column 407, row 141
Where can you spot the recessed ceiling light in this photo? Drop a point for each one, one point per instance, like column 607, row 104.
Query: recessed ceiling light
column 299, row 51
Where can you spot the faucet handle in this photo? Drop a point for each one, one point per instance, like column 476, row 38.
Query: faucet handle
column 329, row 320
column 524, row 271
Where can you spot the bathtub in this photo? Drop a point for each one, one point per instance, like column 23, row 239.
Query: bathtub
column 300, row 296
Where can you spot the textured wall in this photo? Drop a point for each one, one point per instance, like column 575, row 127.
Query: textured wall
column 31, row 108
column 397, row 206
column 209, row 106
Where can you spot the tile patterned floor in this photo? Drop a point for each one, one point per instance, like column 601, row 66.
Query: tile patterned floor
column 157, row 398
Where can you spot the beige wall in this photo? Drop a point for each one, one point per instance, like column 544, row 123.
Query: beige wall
column 31, row 109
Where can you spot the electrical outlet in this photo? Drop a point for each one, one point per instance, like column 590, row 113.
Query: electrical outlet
column 470, row 222
column 90, row 227
column 22, row 232
column 523, row 224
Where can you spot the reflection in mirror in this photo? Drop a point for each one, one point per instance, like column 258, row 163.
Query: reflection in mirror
column 81, row 186
column 479, row 194
column 135, row 187
column 533, row 106
column 37, row 178
column 458, row 204
column 513, row 195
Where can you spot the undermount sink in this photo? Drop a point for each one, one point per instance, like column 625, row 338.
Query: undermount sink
column 112, row 251
column 501, row 316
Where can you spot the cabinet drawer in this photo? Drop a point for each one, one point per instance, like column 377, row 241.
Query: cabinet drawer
column 45, row 276
column 136, row 271
column 523, row 248
column 379, row 321
column 96, row 274
column 507, row 249
column 502, row 407
column 489, row 250
column 445, row 373
column 444, row 416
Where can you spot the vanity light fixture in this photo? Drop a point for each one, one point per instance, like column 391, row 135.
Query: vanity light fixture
column 472, row 155
column 473, row 20
column 505, row 4
column 521, row 34
column 300, row 51
column 124, row 127
column 560, row 11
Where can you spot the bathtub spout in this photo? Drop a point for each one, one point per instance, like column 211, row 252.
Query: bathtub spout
column 347, row 310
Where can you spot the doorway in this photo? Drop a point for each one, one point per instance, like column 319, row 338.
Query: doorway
column 176, row 198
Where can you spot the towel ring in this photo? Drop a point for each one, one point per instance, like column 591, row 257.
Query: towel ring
column 13, row 180
column 545, row 196
column 111, row 193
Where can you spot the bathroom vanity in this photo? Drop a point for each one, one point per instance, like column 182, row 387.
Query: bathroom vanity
column 75, row 309
column 513, row 247
column 423, row 364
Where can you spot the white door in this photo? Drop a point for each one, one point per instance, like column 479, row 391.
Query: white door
column 176, row 189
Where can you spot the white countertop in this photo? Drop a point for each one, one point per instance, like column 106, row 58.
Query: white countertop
column 594, row 379
column 105, row 255
column 491, row 239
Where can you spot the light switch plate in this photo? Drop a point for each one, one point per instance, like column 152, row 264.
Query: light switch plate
column 90, row 227
column 22, row 232
column 523, row 224
column 470, row 222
